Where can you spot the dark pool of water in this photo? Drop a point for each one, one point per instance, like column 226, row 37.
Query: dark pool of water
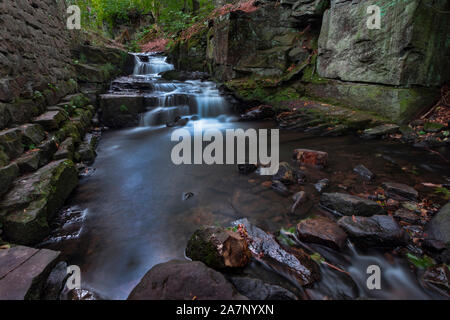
column 132, row 213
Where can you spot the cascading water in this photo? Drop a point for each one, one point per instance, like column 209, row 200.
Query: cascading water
column 168, row 101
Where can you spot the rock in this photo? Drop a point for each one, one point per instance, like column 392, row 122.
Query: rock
column 5, row 117
column 439, row 227
column 66, row 150
column 46, row 151
column 23, row 272
column 7, row 176
column 399, row 191
column 438, row 276
column 33, row 200
column 32, row 134
column 433, row 127
column 184, row 75
column 323, row 231
column 90, row 73
column 321, row 185
column 265, row 247
column 218, row 248
column 183, row 280
column 348, row 205
column 259, row 113
column 86, row 152
column 380, row 131
column 120, row 111
column 55, row 282
column 364, row 172
column 11, row 142
column 373, row 231
column 407, row 216
column 51, row 120
column 280, row 188
column 299, row 198
column 286, row 174
column 29, row 162
column 256, row 289
column 246, row 168
column 311, row 157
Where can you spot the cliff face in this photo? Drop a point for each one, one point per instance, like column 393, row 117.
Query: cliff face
column 326, row 51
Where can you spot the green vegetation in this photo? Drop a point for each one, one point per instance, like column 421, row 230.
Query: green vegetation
column 421, row 263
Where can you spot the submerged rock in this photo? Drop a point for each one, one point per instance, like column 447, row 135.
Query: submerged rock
column 311, row 157
column 364, row 172
column 218, row 248
column 184, row 280
column 399, row 191
column 286, row 174
column 321, row 185
column 323, row 231
column 265, row 247
column 280, row 188
column 348, row 205
column 256, row 289
column 246, row 168
column 376, row 230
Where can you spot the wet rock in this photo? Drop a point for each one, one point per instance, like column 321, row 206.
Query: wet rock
column 311, row 157
column 184, row 280
column 55, row 282
column 399, row 191
column 433, row 127
column 184, row 75
column 380, row 131
column 264, row 246
column 299, row 198
column 86, row 152
column 32, row 134
column 286, row 174
column 51, row 120
column 256, row 289
column 29, row 162
column 259, row 113
column 407, row 216
column 7, row 176
column 79, row 295
column 66, row 150
column 439, row 277
column 119, row 111
column 439, row 227
column 348, row 205
column 411, row 206
column 364, row 172
column 46, row 151
column 246, row 168
column 280, row 188
column 392, row 204
column 218, row 248
column 321, row 185
column 375, row 230
column 11, row 142
column 323, row 231
column 23, row 271
column 33, row 200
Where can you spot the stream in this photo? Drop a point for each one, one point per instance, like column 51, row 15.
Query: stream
column 131, row 211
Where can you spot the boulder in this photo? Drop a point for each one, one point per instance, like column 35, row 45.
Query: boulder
column 55, row 282
column 7, row 176
column 66, row 150
column 376, row 230
column 11, row 142
column 439, row 227
column 23, row 272
column 32, row 134
column 218, row 248
column 33, row 200
column 256, row 289
column 323, row 231
column 183, row 280
column 51, row 120
column 264, row 246
column 29, row 162
column 348, row 205
column 120, row 111
column 311, row 157
column 399, row 191
column 380, row 131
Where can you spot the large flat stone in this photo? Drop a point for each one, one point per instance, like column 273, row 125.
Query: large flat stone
column 349, row 205
column 51, row 120
column 323, row 231
column 23, row 272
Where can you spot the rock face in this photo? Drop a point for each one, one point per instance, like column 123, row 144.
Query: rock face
column 410, row 49
column 218, row 248
column 439, row 227
column 183, row 280
column 375, row 230
column 263, row 244
column 323, row 231
column 348, row 205
column 23, row 272
column 33, row 200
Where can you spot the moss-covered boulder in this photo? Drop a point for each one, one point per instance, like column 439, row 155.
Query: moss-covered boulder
column 34, row 199
column 218, row 248
column 7, row 176
column 120, row 111
column 11, row 142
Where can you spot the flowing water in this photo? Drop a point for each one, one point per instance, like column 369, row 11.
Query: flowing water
column 131, row 212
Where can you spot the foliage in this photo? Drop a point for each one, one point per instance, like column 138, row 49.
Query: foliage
column 421, row 263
